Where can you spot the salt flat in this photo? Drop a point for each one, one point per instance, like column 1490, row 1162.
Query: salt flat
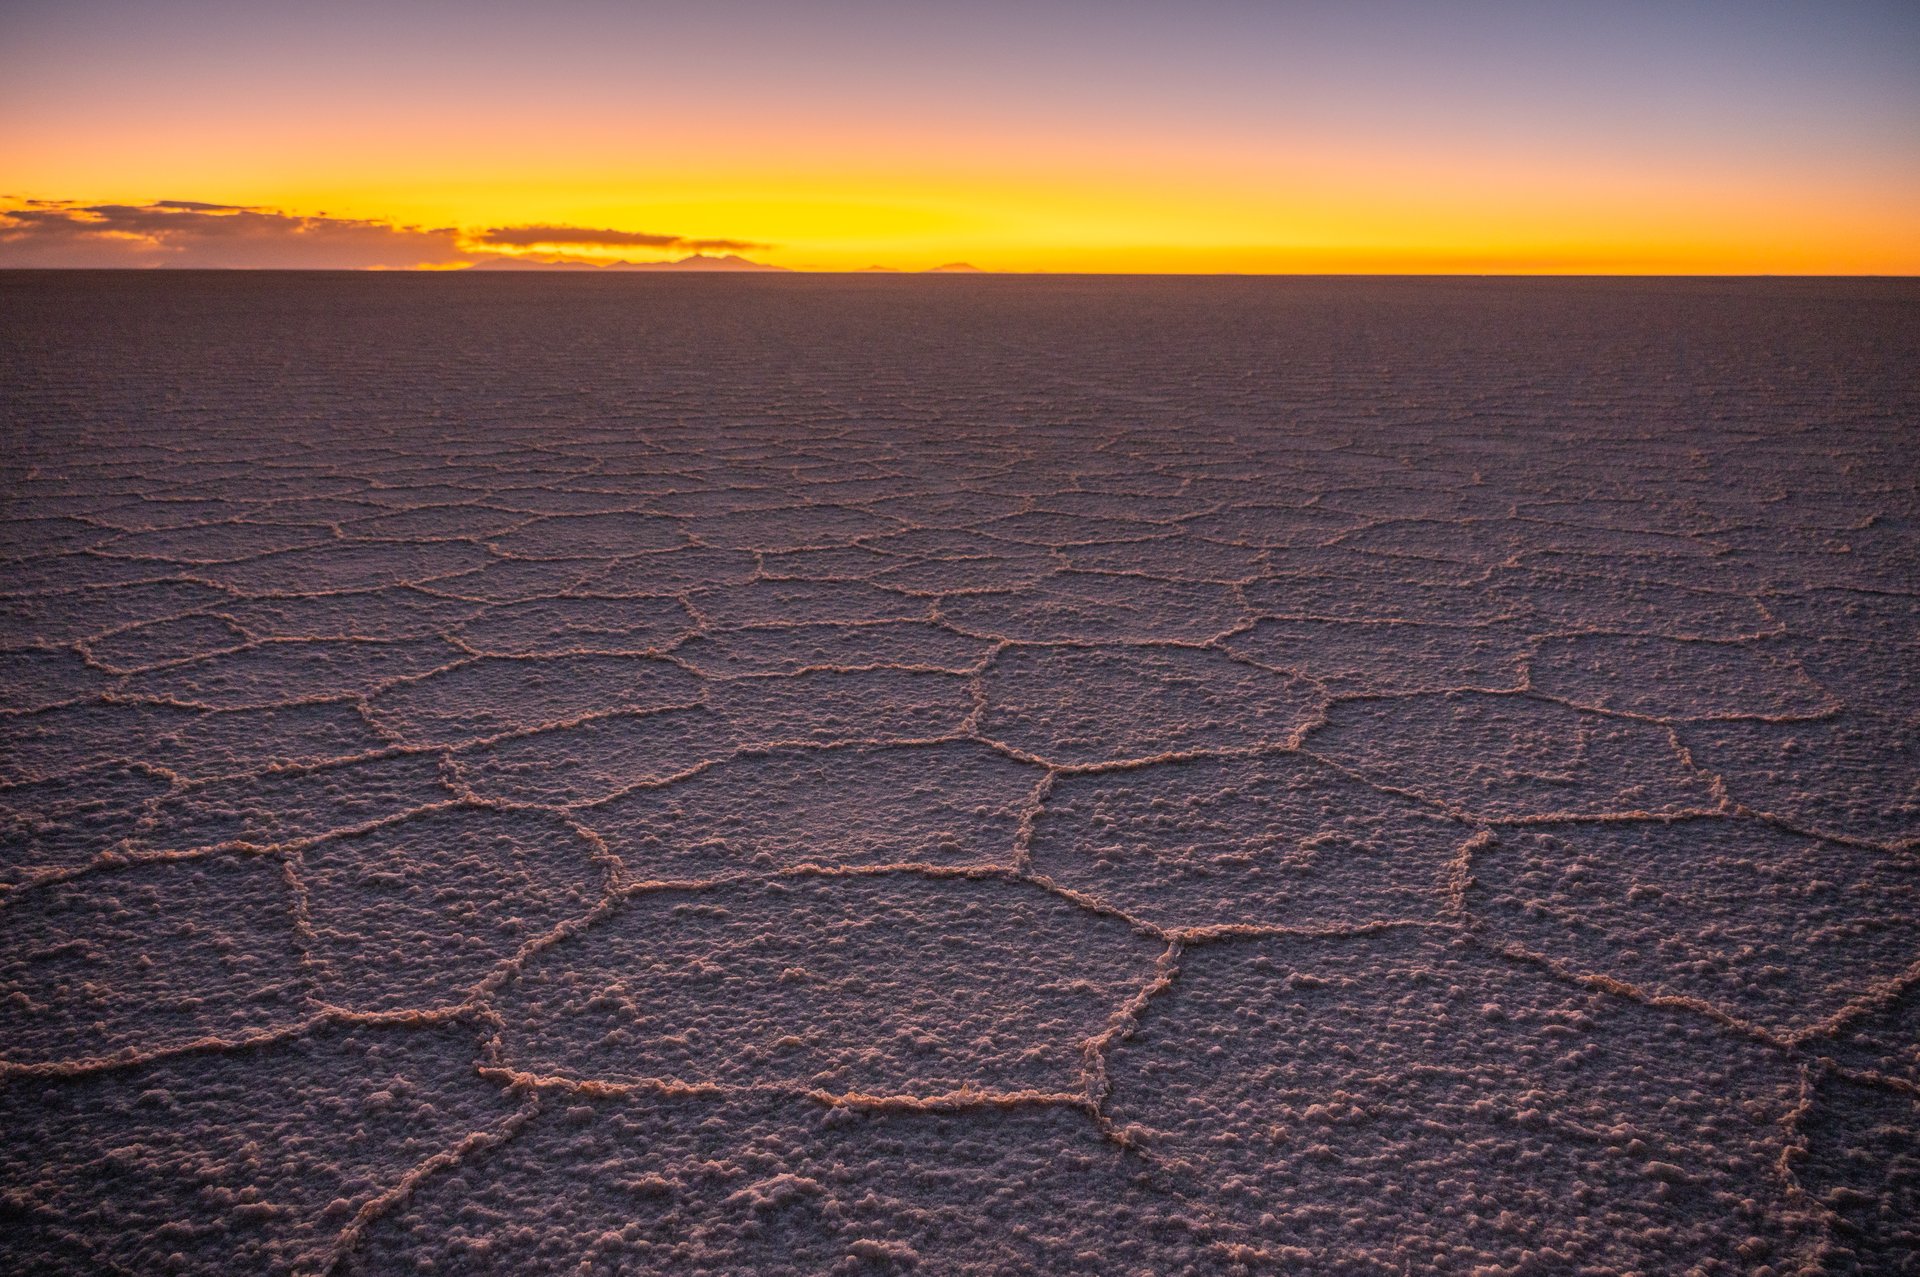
column 975, row 775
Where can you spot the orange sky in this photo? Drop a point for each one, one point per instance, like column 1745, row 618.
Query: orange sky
column 1679, row 138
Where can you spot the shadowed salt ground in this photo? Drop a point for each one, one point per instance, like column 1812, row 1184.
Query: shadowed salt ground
column 717, row 776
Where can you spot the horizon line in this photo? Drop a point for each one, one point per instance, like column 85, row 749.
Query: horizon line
column 869, row 273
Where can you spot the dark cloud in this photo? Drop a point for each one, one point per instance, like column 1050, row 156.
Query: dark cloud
column 719, row 245
column 198, row 206
column 561, row 236
column 189, row 233
column 528, row 236
column 193, row 233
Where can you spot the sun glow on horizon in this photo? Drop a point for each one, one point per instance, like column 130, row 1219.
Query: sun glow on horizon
column 1708, row 138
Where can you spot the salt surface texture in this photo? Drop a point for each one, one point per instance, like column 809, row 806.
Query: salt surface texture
column 733, row 775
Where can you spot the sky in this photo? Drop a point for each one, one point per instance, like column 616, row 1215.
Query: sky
column 1372, row 136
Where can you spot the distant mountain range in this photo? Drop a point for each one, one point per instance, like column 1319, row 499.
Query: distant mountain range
column 697, row 262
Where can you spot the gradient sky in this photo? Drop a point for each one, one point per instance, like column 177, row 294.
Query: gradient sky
column 1212, row 135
